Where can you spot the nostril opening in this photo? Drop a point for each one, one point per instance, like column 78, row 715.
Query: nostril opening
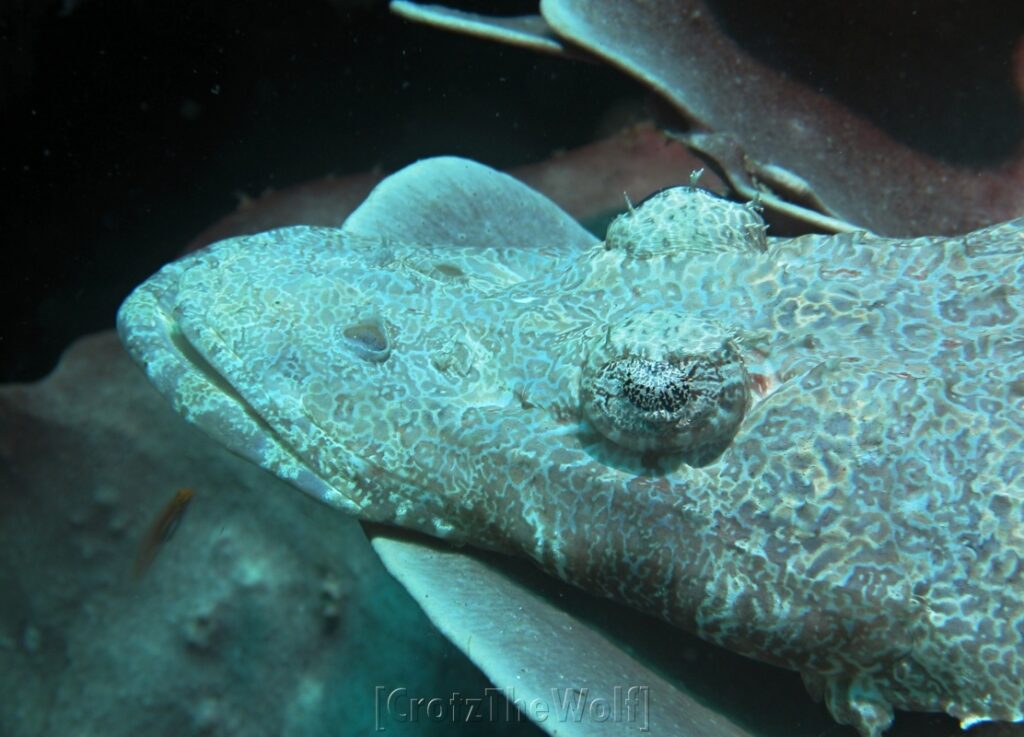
column 370, row 340
column 450, row 271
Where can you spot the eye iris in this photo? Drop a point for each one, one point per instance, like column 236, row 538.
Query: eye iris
column 666, row 383
column 653, row 386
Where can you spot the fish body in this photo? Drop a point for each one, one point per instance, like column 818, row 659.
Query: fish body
column 162, row 530
column 807, row 450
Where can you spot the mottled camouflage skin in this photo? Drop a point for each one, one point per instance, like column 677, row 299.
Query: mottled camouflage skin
column 861, row 521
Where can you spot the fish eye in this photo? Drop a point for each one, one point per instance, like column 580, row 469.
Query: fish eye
column 666, row 383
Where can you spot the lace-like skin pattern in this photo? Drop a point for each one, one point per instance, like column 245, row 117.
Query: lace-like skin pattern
column 806, row 450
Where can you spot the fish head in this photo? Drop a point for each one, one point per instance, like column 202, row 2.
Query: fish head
column 807, row 450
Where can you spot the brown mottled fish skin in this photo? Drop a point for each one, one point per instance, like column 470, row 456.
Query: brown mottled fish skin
column 806, row 450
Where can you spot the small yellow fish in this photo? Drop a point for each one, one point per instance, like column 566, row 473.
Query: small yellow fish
column 162, row 530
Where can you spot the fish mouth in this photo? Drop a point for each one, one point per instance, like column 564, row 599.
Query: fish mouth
column 181, row 371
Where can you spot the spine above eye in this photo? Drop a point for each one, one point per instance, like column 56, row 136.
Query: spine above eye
column 681, row 219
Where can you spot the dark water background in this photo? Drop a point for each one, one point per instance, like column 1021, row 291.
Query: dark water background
column 133, row 125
